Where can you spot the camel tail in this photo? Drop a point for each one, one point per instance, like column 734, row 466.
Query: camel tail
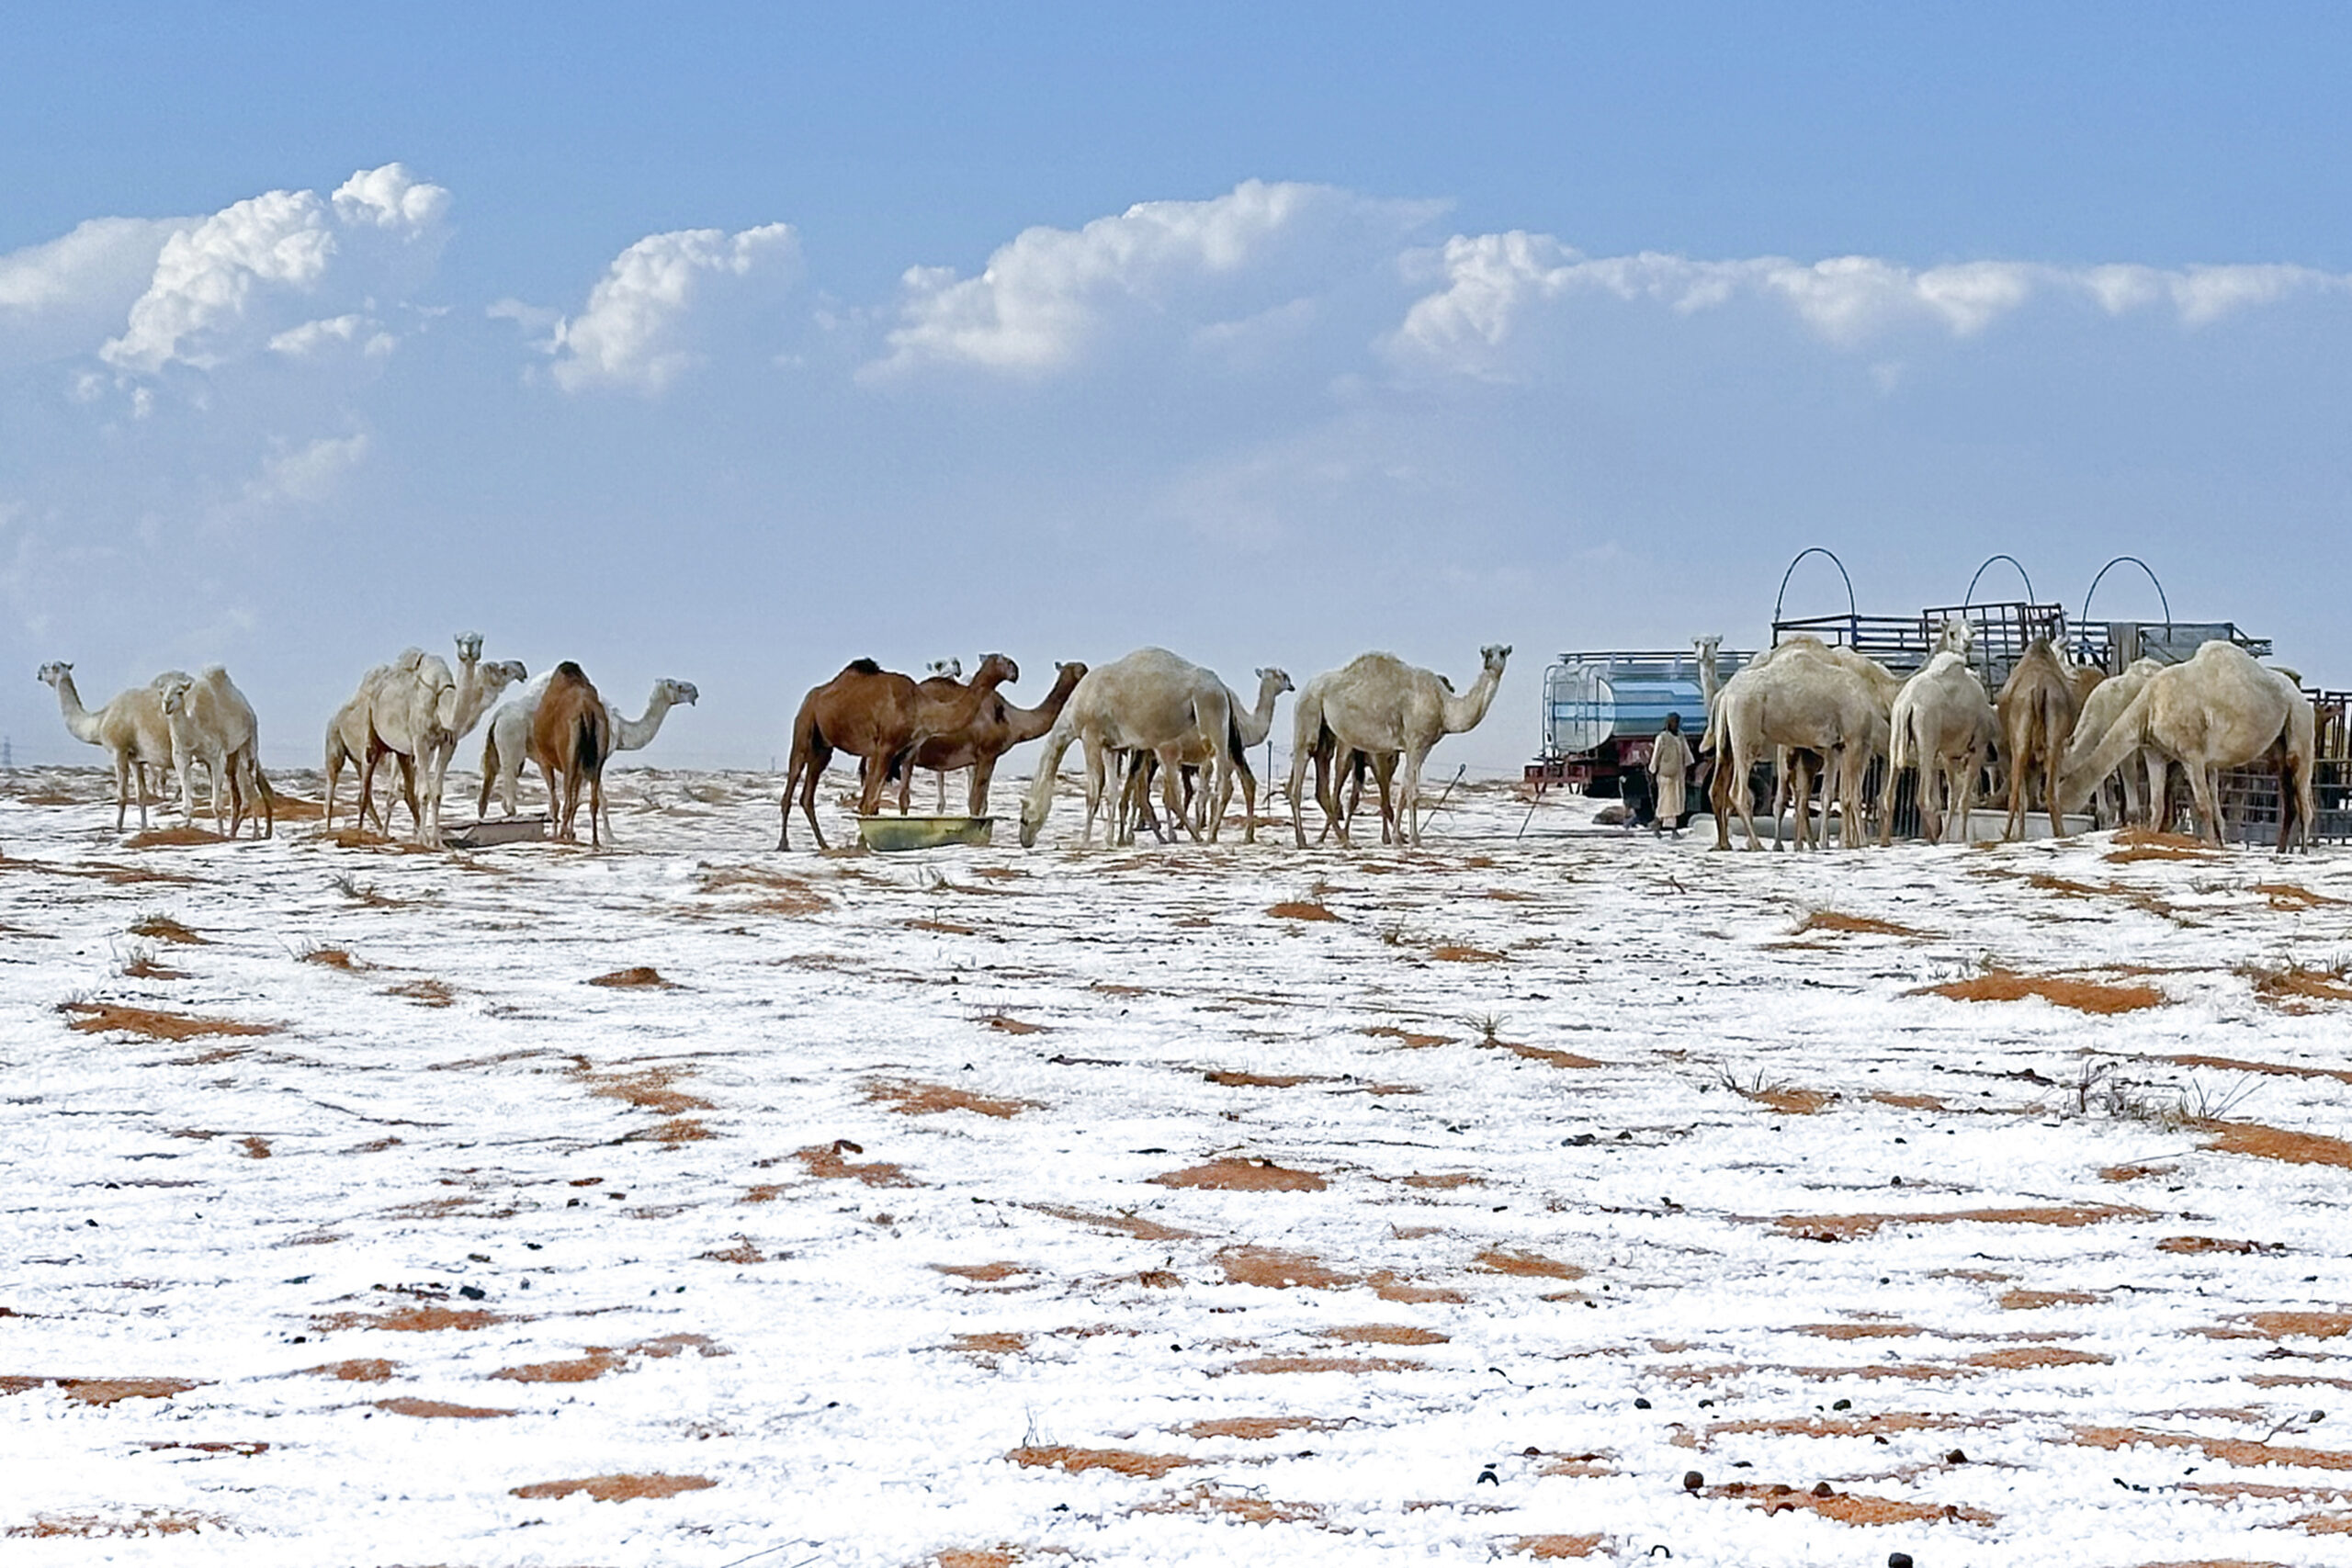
column 2082, row 770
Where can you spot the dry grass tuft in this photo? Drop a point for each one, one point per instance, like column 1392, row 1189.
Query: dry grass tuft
column 1863, row 925
column 333, row 958
column 424, row 993
column 1568, row 1060
column 2034, row 1301
column 1299, row 909
column 1248, row 1507
column 641, row 977
column 931, row 1100
column 944, row 928
column 1554, row 1548
column 1786, row 1101
column 2082, row 996
column 983, row 1273
column 172, row 839
column 1405, row 1036
column 649, row 1088
column 1273, row 1268
column 1119, row 1461
column 409, row 1320
column 1528, row 1265
column 438, row 1409
column 596, row 1364
column 743, row 1251
column 2024, row 1358
column 2134, row 844
column 145, row 1522
column 104, row 1392
column 1253, row 1429
column 1258, row 1081
column 2291, row 895
column 616, row 1488
column 110, row 1017
column 1386, row 1334
column 1455, row 953
column 2276, row 1143
column 2196, row 1246
column 2241, row 1452
column 1856, row 1330
column 1243, row 1176
column 1283, row 1366
column 1849, row 1227
column 1124, row 1225
column 824, row 1161
column 1007, row 1025
column 163, row 928
column 991, row 1344
column 2287, row 987
column 1852, row 1508
column 355, row 1371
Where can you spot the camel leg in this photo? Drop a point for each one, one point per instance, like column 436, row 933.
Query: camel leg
column 1326, row 795
column 983, row 772
column 375, row 754
column 1248, row 801
column 1299, row 765
column 820, row 756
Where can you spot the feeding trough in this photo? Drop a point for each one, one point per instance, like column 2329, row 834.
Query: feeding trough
column 888, row 834
column 504, row 831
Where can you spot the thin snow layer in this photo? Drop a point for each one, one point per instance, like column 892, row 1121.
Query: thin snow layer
column 1570, row 1193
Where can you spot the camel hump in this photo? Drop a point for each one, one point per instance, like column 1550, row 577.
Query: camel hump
column 862, row 666
column 570, row 672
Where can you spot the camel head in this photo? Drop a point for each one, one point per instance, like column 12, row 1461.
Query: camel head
column 1004, row 671
column 469, row 648
column 676, row 692
column 1491, row 657
column 496, row 678
column 173, row 694
column 54, row 671
column 1278, row 679
column 951, row 667
column 1029, row 826
column 1955, row 637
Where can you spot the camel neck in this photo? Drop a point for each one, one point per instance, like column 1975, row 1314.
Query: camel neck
column 79, row 720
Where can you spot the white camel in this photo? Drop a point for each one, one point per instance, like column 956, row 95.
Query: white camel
column 211, row 722
column 416, row 711
column 2100, row 710
column 1378, row 704
column 131, row 727
column 506, row 740
column 1801, row 697
column 1150, row 701
column 1943, row 723
column 2216, row 710
column 1250, row 727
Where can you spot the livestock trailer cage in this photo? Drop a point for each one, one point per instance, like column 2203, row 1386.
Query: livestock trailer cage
column 1602, row 708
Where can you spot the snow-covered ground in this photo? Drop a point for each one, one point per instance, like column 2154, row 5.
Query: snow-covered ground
column 1565, row 1194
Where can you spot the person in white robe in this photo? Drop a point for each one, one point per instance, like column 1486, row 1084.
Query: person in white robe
column 1670, row 761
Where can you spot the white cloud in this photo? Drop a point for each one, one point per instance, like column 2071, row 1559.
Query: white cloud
column 1050, row 294
column 353, row 332
column 58, row 297
column 239, row 280
column 650, row 316
column 309, row 473
column 1491, row 284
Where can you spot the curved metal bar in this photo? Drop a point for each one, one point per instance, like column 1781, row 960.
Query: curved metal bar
column 2111, row 566
column 1969, row 597
column 1780, row 598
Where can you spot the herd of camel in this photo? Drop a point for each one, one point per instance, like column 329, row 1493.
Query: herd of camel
column 2058, row 729
column 2055, row 729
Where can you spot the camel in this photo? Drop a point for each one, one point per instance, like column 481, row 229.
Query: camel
column 1377, row 703
column 571, row 734
column 995, row 729
column 881, row 718
column 1800, row 697
column 2038, row 707
column 1148, row 701
column 131, row 727
column 2100, row 710
column 416, row 712
column 1944, row 723
column 347, row 740
column 2216, row 710
column 211, row 722
column 1250, row 727
column 506, row 741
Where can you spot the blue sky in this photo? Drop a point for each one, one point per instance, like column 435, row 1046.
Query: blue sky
column 731, row 344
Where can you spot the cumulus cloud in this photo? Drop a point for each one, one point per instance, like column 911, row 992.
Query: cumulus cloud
column 660, row 304
column 59, row 297
column 1044, row 299
column 256, row 272
column 1491, row 284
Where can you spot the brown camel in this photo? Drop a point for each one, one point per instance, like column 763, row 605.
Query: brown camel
column 881, row 718
column 571, row 734
column 2038, row 707
column 995, row 729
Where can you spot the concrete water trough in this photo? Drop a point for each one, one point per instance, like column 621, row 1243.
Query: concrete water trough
column 889, row 834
